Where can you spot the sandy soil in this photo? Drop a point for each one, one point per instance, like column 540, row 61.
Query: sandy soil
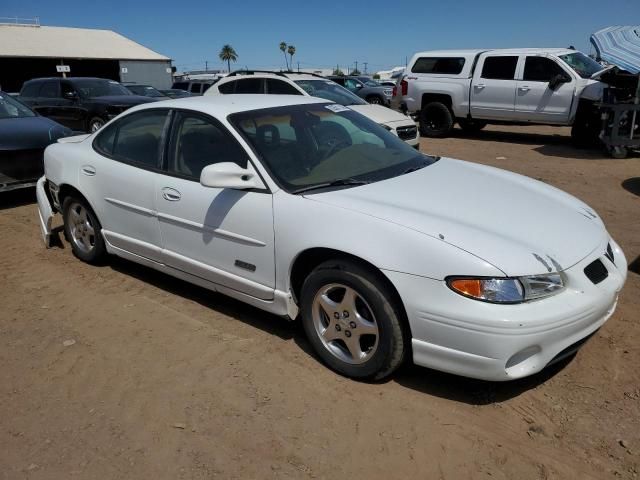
column 120, row 372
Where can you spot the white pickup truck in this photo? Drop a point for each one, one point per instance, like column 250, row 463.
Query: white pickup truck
column 521, row 86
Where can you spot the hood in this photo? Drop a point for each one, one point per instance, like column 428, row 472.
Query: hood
column 29, row 133
column 519, row 225
column 380, row 114
column 122, row 100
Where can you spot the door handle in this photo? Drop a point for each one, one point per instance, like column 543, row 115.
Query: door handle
column 88, row 170
column 171, row 194
column 480, row 86
column 524, row 89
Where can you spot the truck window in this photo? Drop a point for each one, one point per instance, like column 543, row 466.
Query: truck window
column 449, row 66
column 541, row 69
column 499, row 68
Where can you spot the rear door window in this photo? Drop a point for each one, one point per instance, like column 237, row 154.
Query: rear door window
column 50, row 89
column 500, row 68
column 541, row 69
column 194, row 88
column 279, row 87
column 250, row 85
column 134, row 139
column 450, row 66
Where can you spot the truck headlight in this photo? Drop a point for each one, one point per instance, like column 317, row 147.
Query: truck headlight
column 507, row 290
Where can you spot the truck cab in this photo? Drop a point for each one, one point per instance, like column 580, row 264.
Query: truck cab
column 476, row 87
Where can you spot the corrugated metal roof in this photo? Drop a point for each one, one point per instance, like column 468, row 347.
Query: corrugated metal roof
column 64, row 42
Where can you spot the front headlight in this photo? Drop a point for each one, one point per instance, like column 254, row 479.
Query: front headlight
column 507, row 290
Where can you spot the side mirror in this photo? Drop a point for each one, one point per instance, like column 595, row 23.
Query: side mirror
column 229, row 175
column 558, row 80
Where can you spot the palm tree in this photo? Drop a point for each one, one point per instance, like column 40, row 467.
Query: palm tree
column 291, row 51
column 228, row 54
column 283, row 47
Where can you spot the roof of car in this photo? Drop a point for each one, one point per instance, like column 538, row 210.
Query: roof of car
column 473, row 52
column 267, row 74
column 223, row 105
column 68, row 78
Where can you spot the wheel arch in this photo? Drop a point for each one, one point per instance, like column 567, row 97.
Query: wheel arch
column 66, row 190
column 307, row 260
column 437, row 97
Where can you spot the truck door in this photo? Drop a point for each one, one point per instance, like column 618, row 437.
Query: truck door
column 493, row 88
column 545, row 92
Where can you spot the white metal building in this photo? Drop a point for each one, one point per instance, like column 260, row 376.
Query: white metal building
column 30, row 51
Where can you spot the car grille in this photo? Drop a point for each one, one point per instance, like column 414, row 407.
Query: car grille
column 596, row 271
column 407, row 133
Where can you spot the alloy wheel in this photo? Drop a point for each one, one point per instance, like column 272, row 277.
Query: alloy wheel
column 81, row 228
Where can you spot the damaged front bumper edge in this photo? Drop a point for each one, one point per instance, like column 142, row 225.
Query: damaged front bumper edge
column 45, row 211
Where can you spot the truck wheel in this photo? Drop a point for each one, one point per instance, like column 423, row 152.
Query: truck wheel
column 436, row 120
column 471, row 126
column 95, row 124
column 618, row 152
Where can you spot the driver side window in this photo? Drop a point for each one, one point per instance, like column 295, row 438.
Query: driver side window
column 541, row 69
column 197, row 142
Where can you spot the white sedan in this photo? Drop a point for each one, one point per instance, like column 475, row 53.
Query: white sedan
column 308, row 209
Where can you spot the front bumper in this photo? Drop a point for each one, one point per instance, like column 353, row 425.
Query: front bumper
column 504, row 342
column 406, row 130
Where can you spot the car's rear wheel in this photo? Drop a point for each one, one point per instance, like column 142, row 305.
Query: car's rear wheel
column 352, row 320
column 374, row 100
column 82, row 230
column 436, row 120
column 95, row 124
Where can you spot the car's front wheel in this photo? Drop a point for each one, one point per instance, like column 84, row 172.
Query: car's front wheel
column 352, row 320
column 82, row 229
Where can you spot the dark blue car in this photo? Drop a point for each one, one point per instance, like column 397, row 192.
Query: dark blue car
column 23, row 137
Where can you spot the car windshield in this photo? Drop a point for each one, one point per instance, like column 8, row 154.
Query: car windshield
column 12, row 108
column 330, row 91
column 145, row 91
column 320, row 146
column 583, row 65
column 99, row 88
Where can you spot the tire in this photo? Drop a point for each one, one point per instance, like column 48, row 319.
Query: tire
column 436, row 120
column 95, row 124
column 471, row 126
column 83, row 230
column 375, row 100
column 338, row 298
column 618, row 152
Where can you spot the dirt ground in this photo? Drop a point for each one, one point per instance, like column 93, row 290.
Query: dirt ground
column 119, row 372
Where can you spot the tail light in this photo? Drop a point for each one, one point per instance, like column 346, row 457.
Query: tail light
column 395, row 91
column 405, row 87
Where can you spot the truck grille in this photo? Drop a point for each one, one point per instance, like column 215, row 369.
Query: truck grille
column 407, row 133
column 596, row 272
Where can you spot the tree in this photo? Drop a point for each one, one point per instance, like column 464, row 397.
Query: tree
column 283, row 48
column 291, row 50
column 355, row 71
column 337, row 72
column 228, row 54
column 376, row 76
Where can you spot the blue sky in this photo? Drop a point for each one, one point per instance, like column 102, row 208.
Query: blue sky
column 327, row 32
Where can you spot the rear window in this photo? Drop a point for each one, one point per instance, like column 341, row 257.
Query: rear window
column 30, row 89
column 500, row 68
column 441, row 65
